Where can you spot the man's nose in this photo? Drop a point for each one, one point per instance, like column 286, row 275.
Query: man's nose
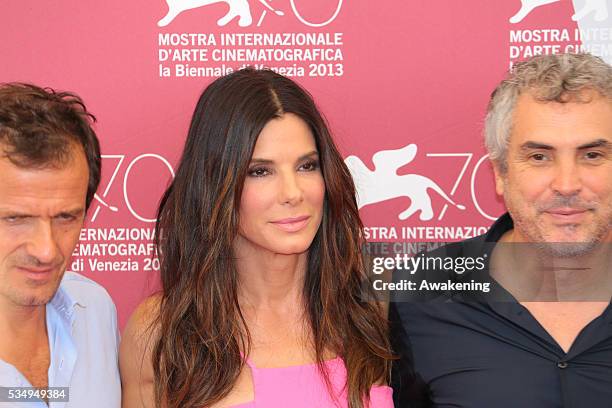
column 42, row 244
column 567, row 178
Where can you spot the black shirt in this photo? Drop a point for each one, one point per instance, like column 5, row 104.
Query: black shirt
column 488, row 354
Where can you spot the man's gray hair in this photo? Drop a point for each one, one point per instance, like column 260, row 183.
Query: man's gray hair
column 559, row 78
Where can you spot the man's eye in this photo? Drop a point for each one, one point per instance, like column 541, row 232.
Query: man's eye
column 593, row 155
column 14, row 219
column 258, row 172
column 66, row 217
column 538, row 157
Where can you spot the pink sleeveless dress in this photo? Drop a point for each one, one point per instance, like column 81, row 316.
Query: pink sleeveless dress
column 303, row 387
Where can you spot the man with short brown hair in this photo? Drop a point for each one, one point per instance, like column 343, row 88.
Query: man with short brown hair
column 58, row 329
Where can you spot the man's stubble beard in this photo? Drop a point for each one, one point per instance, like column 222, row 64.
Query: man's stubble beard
column 535, row 230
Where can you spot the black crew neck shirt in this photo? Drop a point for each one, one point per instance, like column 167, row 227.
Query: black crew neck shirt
column 482, row 354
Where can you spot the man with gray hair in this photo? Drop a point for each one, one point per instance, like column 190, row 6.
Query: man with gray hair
column 59, row 337
column 542, row 337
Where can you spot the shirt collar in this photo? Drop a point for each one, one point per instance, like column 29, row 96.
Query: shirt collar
column 502, row 225
column 64, row 304
column 483, row 245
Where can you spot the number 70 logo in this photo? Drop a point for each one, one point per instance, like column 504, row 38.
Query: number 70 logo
column 118, row 161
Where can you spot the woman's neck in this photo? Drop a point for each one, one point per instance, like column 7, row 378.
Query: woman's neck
column 270, row 280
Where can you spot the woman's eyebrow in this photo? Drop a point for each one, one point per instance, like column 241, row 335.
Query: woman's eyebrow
column 256, row 160
column 261, row 161
column 308, row 155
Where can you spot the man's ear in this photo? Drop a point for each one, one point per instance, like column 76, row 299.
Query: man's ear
column 500, row 173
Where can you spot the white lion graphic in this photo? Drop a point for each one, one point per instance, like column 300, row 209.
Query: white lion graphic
column 599, row 7
column 237, row 8
column 384, row 183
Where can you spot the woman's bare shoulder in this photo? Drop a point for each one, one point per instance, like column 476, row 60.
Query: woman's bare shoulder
column 141, row 330
column 135, row 353
column 144, row 316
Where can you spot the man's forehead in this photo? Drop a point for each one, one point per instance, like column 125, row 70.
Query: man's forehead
column 566, row 124
column 36, row 187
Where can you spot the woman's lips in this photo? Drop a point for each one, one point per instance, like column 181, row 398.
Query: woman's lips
column 293, row 224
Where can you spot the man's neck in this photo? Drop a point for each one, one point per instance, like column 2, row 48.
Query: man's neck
column 25, row 343
column 531, row 274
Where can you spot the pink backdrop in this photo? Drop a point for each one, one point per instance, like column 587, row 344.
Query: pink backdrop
column 403, row 73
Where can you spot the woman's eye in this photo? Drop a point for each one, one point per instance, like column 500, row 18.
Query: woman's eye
column 259, row 172
column 310, row 166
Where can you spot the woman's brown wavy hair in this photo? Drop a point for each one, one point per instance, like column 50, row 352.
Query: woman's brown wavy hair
column 197, row 357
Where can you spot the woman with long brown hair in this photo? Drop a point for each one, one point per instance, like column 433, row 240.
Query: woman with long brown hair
column 262, row 274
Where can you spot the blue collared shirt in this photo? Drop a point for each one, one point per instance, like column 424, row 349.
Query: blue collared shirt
column 83, row 342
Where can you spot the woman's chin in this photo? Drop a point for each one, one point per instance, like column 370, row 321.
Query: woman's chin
column 291, row 249
column 290, row 246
